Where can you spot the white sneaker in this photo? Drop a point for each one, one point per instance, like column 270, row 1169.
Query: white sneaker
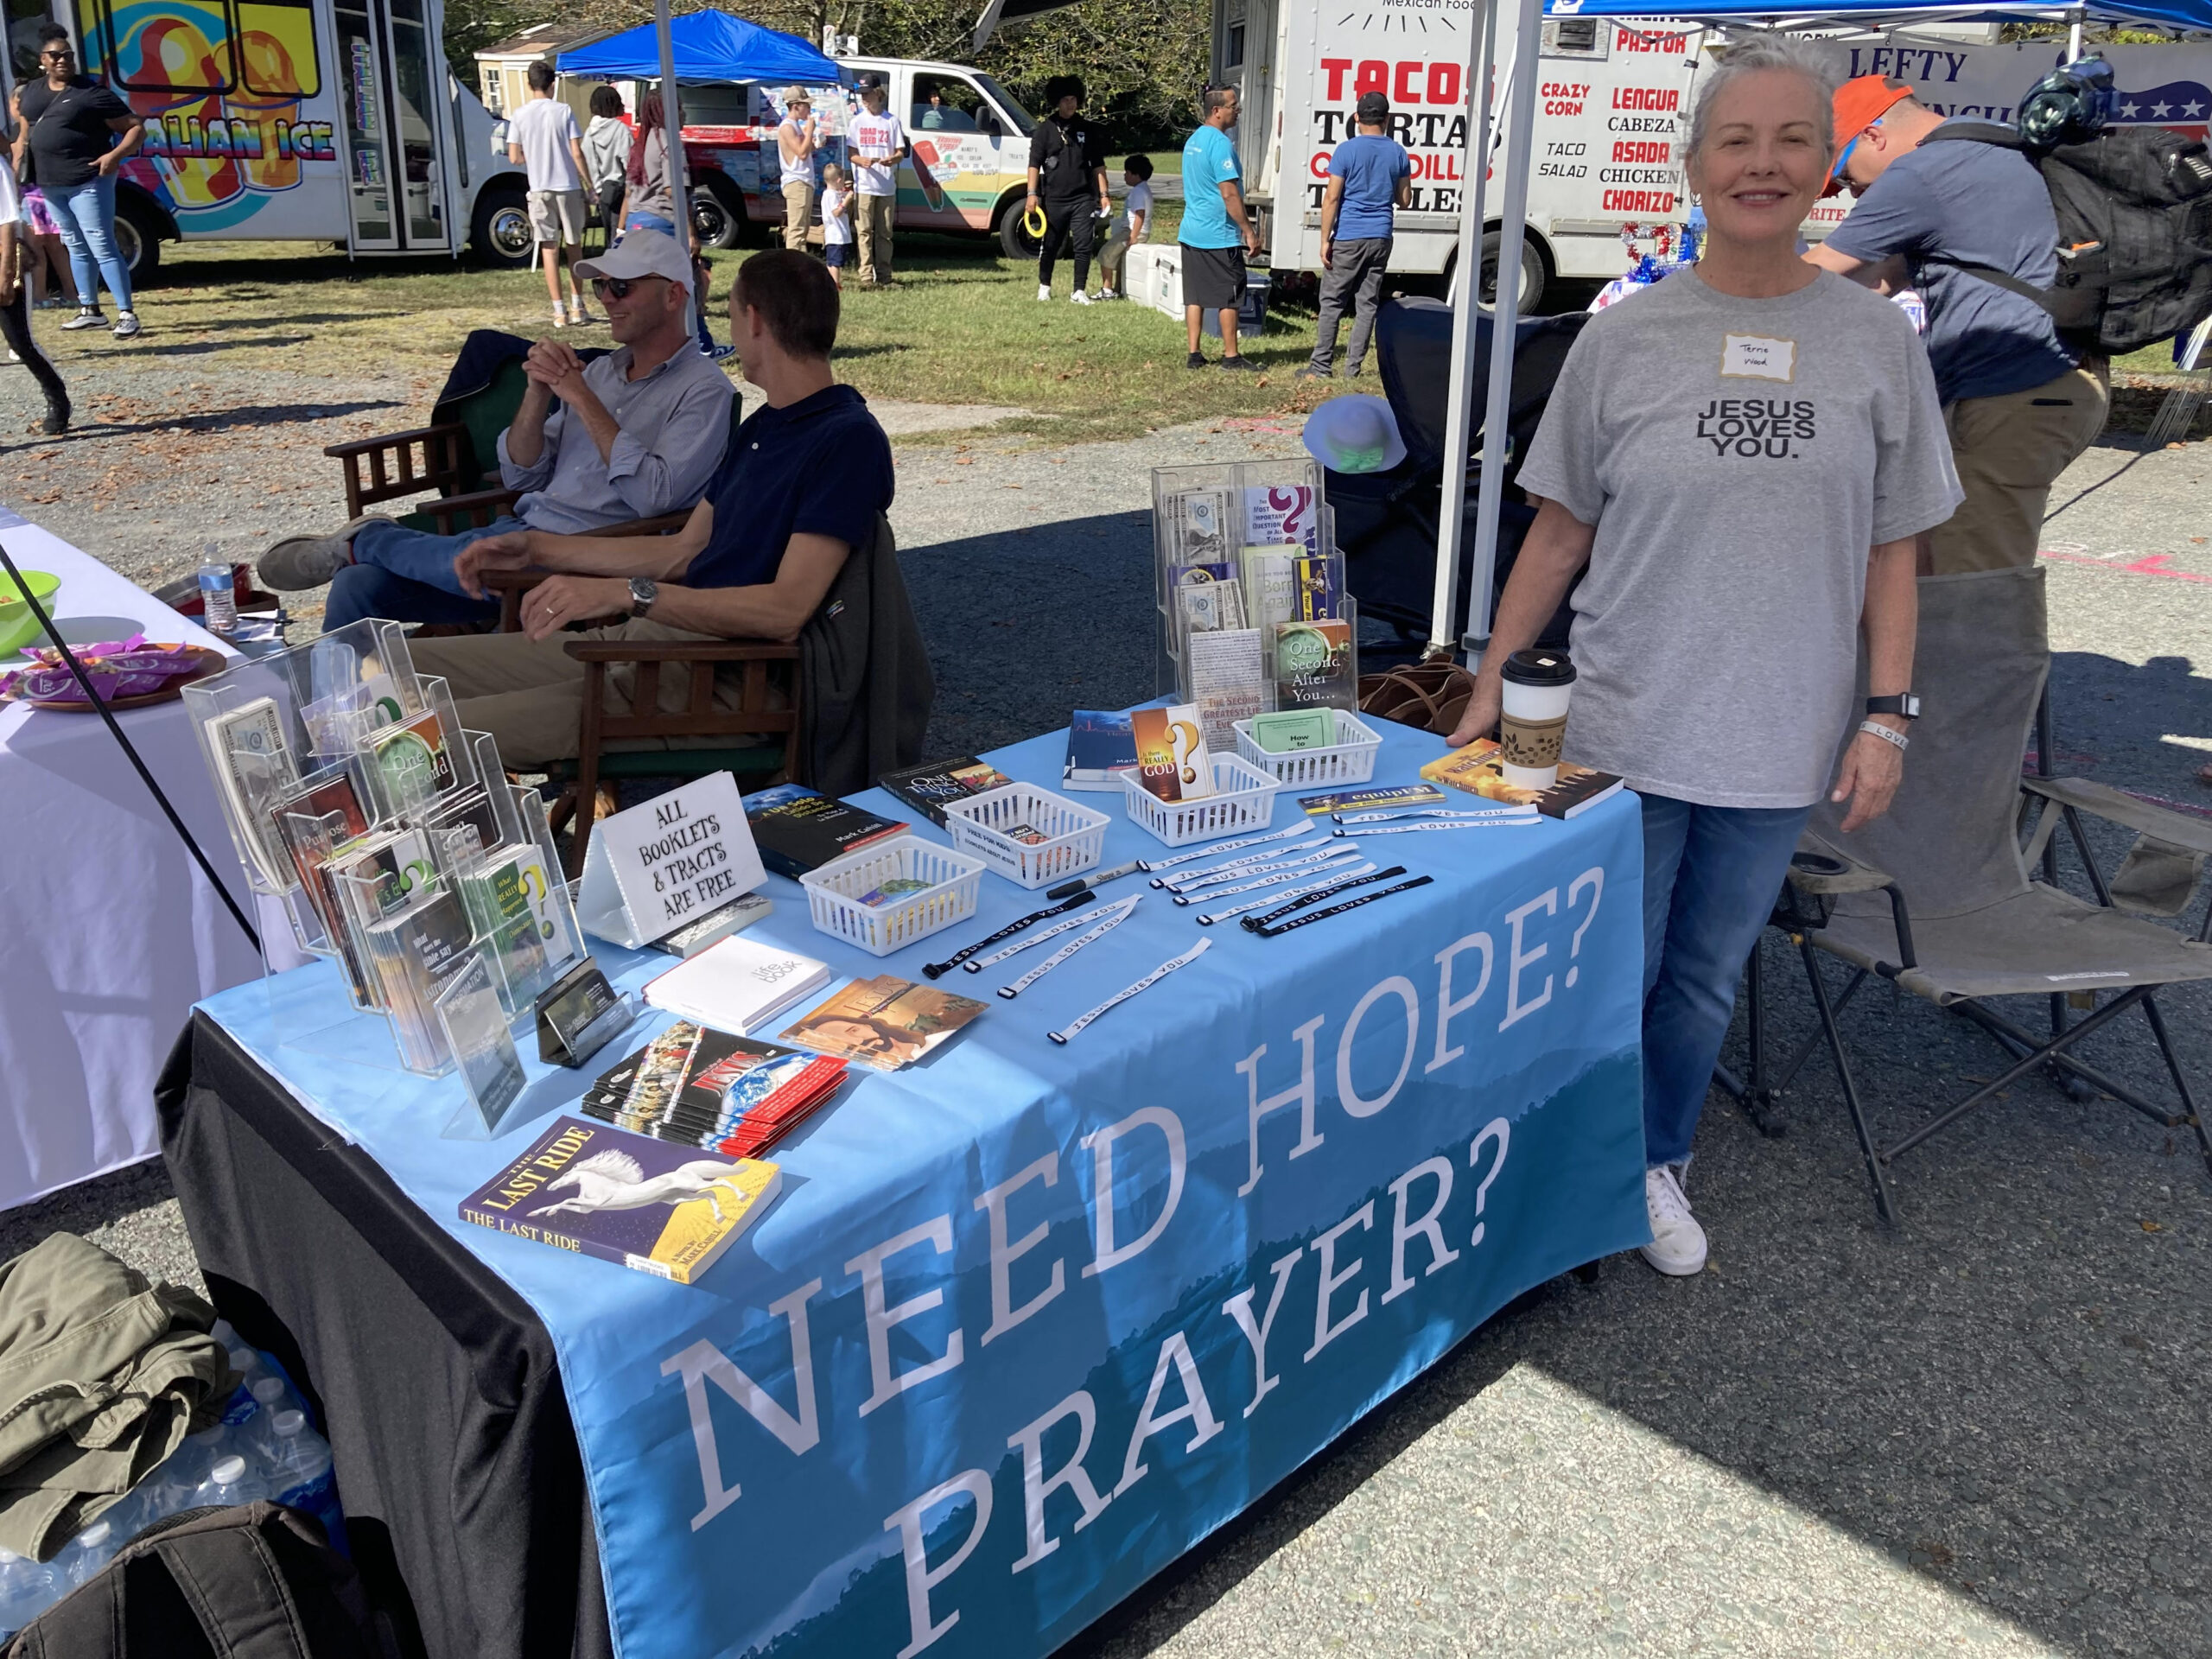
column 1677, row 1246
column 1082, row 298
column 1044, row 290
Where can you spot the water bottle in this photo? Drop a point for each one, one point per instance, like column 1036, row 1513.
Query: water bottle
column 86, row 1554
column 27, row 1589
column 228, row 1485
column 301, row 1472
column 218, row 594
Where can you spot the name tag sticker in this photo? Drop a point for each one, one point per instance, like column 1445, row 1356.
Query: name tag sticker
column 1754, row 357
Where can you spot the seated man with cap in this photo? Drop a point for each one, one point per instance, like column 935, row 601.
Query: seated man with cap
column 807, row 477
column 632, row 435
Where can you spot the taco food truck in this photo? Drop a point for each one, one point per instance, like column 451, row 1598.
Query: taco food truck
column 300, row 120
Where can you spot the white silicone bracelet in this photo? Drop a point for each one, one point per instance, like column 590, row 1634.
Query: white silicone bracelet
column 1875, row 729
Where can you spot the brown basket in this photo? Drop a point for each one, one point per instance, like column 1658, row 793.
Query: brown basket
column 1431, row 696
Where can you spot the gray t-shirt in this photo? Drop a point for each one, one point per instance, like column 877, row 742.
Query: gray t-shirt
column 1738, row 458
column 544, row 127
column 1987, row 207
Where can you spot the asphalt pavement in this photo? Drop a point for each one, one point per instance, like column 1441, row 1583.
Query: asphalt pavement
column 1983, row 1431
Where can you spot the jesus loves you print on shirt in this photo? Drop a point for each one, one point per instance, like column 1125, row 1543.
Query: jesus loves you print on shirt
column 1773, row 428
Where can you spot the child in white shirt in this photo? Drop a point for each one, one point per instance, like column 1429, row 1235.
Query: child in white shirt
column 836, row 221
column 1133, row 226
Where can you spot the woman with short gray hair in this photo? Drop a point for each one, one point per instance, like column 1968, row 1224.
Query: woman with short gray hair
column 1742, row 455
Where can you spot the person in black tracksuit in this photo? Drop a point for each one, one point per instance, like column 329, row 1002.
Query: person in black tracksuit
column 1067, row 176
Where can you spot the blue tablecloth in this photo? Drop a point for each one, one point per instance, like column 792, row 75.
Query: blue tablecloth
column 995, row 1357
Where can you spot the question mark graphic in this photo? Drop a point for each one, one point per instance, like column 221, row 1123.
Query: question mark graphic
column 1499, row 1130
column 1296, row 498
column 1593, row 878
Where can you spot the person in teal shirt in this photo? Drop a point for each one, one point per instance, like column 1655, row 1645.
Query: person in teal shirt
column 1216, row 231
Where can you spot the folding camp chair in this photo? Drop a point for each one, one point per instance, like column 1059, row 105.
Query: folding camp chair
column 1936, row 896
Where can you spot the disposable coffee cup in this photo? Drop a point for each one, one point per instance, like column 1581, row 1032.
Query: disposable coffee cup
column 1533, row 721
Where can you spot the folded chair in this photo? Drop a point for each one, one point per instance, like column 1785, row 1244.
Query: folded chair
column 1937, row 896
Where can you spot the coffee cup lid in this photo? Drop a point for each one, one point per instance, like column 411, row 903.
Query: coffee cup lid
column 1539, row 668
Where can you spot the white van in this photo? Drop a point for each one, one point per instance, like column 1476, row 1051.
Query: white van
column 969, row 171
column 293, row 120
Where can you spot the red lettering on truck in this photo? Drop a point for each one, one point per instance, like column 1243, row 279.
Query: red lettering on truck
column 1647, row 98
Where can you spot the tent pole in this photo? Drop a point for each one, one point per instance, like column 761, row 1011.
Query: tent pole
column 1505, row 315
column 1482, row 57
column 2074, row 35
column 673, row 119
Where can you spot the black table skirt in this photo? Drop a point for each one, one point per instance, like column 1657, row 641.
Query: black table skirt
column 456, row 1458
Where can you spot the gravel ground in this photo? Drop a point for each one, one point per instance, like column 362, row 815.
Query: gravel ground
column 1978, row 1433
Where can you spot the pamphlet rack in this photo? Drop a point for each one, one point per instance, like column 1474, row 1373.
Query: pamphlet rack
column 1068, row 839
column 1350, row 760
column 838, row 894
column 1244, row 799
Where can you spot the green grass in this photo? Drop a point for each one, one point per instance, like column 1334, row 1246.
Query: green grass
column 964, row 326
column 1167, row 161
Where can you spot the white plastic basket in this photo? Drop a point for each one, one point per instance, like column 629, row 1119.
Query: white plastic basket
column 1075, row 837
column 1244, row 799
column 1350, row 760
column 833, row 894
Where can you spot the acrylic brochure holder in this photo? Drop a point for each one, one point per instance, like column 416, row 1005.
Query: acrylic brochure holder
column 1254, row 611
column 391, row 840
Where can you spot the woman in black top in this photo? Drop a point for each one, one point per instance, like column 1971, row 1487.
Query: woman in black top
column 76, row 134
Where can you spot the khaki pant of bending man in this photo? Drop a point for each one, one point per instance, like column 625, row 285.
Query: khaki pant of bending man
column 2008, row 451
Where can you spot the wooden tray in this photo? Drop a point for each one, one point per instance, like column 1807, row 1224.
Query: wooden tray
column 210, row 662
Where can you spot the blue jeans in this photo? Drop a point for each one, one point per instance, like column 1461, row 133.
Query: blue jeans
column 407, row 576
column 1711, row 874
column 85, row 214
column 667, row 227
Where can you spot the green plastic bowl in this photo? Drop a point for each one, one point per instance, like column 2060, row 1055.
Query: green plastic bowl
column 18, row 625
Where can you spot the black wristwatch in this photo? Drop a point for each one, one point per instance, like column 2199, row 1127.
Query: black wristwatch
column 1903, row 704
column 643, row 591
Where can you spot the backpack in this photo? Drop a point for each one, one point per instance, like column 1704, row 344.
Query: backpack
column 254, row 1582
column 2134, row 209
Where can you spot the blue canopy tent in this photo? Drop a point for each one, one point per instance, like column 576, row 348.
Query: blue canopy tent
column 700, row 46
column 1514, row 105
column 707, row 46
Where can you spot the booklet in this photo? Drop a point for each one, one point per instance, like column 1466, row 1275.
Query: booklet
column 884, row 1023
column 1172, row 760
column 739, row 984
column 1228, row 682
column 1101, row 746
column 1313, row 665
column 627, row 1198
column 1480, row 770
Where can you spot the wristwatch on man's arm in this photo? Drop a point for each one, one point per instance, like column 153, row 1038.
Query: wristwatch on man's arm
column 643, row 591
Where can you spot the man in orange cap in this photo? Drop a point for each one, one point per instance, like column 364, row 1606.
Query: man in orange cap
column 2019, row 402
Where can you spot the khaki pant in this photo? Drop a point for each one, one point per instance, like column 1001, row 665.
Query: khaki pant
column 2008, row 450
column 529, row 693
column 874, row 214
column 1114, row 256
column 798, row 212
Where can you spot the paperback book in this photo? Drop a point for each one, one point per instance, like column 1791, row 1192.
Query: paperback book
column 595, row 1189
column 1172, row 760
column 1102, row 746
column 883, row 1023
column 1480, row 770
column 711, row 929
column 1227, row 681
column 1373, row 799
column 413, row 760
column 1314, row 666
column 1271, row 584
column 1279, row 513
column 930, row 788
column 740, row 984
column 708, row 1088
column 798, row 831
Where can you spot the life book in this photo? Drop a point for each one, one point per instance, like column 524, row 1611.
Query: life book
column 930, row 788
column 709, row 1088
column 600, row 1190
column 740, row 984
column 798, row 831
column 1480, row 770
column 1101, row 746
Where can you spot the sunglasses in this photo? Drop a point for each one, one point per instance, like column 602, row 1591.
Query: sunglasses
column 62, row 52
column 619, row 287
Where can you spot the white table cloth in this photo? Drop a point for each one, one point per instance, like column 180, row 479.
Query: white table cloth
column 108, row 930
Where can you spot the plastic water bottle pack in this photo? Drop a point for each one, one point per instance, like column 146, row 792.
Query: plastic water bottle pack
column 262, row 1447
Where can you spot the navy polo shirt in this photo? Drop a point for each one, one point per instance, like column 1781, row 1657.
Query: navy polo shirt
column 819, row 467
